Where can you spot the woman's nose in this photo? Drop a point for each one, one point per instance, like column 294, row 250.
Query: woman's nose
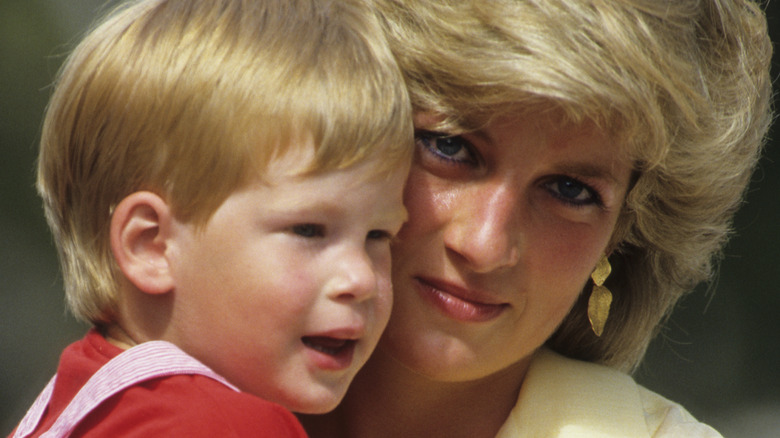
column 484, row 228
column 352, row 277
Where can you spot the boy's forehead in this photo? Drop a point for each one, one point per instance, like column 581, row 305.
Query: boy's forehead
column 294, row 159
column 327, row 193
column 298, row 159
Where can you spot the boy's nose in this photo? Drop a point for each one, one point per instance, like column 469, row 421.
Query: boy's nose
column 353, row 278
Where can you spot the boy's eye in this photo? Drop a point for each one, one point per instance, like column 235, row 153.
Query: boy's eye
column 455, row 148
column 378, row 234
column 309, row 230
column 572, row 191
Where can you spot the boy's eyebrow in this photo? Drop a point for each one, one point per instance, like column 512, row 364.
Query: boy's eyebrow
column 307, row 205
column 326, row 207
column 331, row 207
column 404, row 216
column 399, row 214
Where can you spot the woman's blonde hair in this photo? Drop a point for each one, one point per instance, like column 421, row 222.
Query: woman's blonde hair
column 192, row 99
column 682, row 86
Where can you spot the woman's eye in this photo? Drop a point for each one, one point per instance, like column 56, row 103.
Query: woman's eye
column 454, row 148
column 572, row 191
column 309, row 230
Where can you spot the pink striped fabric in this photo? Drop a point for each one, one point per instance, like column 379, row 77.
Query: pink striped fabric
column 143, row 362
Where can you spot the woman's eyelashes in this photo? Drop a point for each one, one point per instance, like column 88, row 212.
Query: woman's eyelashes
column 572, row 191
column 452, row 149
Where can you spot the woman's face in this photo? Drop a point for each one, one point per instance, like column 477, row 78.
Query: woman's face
column 505, row 226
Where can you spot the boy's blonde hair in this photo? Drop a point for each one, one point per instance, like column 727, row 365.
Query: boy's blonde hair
column 191, row 99
column 682, row 86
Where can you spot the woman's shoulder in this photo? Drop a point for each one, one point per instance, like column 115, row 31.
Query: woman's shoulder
column 666, row 418
column 562, row 397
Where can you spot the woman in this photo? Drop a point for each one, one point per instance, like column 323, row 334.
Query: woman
column 555, row 138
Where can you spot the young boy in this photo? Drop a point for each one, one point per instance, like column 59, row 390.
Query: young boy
column 223, row 179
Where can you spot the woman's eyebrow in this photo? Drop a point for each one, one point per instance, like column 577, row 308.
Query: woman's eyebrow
column 591, row 170
column 482, row 135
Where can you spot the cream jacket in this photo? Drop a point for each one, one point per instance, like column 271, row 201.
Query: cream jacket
column 561, row 397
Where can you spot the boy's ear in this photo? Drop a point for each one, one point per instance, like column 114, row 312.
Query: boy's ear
column 140, row 226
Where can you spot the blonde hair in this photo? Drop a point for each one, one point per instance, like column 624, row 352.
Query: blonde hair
column 682, row 87
column 193, row 98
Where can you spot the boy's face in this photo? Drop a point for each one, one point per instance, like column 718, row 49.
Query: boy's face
column 287, row 289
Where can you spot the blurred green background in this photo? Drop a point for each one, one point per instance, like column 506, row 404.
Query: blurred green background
column 719, row 355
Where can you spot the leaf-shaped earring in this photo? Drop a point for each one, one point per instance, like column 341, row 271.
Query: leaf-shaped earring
column 600, row 296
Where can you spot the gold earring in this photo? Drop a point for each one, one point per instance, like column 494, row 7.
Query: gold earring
column 600, row 296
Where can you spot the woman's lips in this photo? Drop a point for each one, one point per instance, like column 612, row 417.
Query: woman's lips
column 458, row 303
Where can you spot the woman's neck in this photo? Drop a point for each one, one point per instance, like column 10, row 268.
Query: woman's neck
column 387, row 399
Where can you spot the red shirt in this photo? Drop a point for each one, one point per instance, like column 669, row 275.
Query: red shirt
column 175, row 406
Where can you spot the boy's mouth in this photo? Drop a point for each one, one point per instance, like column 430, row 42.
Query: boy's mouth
column 329, row 353
column 328, row 345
